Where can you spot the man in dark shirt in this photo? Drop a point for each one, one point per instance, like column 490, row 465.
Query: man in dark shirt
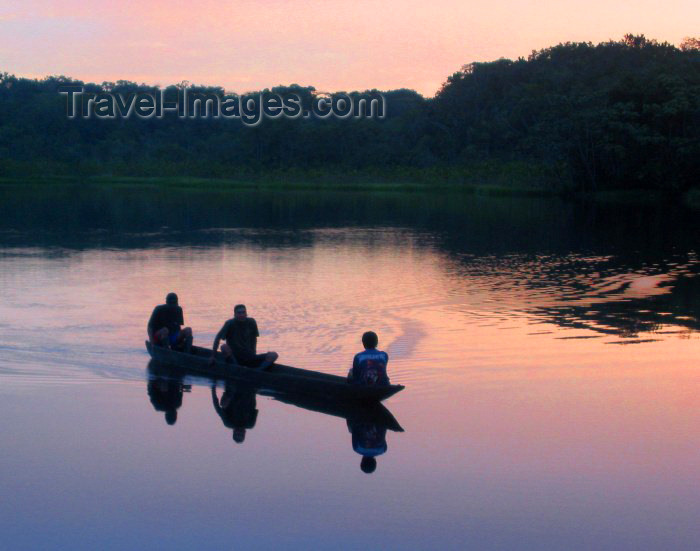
column 369, row 366
column 241, row 336
column 165, row 323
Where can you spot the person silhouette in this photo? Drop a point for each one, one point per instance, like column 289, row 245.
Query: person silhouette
column 369, row 366
column 368, row 440
column 237, row 408
column 165, row 326
column 165, row 394
column 368, row 464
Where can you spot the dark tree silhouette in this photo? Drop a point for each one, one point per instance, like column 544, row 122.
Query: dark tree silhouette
column 616, row 115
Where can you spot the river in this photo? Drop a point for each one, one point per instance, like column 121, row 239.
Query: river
column 550, row 352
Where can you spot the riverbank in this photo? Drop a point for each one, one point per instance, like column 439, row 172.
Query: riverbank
column 507, row 178
column 508, row 181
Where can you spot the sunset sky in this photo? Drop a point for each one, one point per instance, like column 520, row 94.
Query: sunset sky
column 251, row 44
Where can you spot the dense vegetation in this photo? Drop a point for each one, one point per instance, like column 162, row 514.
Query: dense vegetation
column 617, row 115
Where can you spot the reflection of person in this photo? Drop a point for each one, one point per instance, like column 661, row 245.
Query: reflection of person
column 241, row 335
column 236, row 408
column 369, row 366
column 369, row 440
column 166, row 395
column 164, row 325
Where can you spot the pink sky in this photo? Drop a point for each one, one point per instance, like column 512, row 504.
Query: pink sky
column 251, row 44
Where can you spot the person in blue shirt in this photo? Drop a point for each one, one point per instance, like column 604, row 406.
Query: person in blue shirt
column 369, row 366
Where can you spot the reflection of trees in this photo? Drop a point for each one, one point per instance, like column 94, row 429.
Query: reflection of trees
column 627, row 317
column 577, row 267
column 578, row 300
column 552, row 255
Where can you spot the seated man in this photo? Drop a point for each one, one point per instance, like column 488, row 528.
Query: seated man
column 164, row 326
column 241, row 336
column 369, row 366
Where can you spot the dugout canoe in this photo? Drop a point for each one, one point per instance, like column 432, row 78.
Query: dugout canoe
column 276, row 377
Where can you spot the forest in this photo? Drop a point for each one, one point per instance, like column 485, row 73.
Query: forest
column 619, row 115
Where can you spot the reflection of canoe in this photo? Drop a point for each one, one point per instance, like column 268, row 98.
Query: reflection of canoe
column 276, row 377
column 353, row 412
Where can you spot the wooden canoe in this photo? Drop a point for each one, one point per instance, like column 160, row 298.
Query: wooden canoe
column 277, row 377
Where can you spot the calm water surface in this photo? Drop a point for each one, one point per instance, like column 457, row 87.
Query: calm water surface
column 550, row 352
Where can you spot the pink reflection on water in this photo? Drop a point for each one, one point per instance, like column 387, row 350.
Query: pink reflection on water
column 512, row 420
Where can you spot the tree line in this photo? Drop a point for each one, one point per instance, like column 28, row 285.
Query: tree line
column 616, row 115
